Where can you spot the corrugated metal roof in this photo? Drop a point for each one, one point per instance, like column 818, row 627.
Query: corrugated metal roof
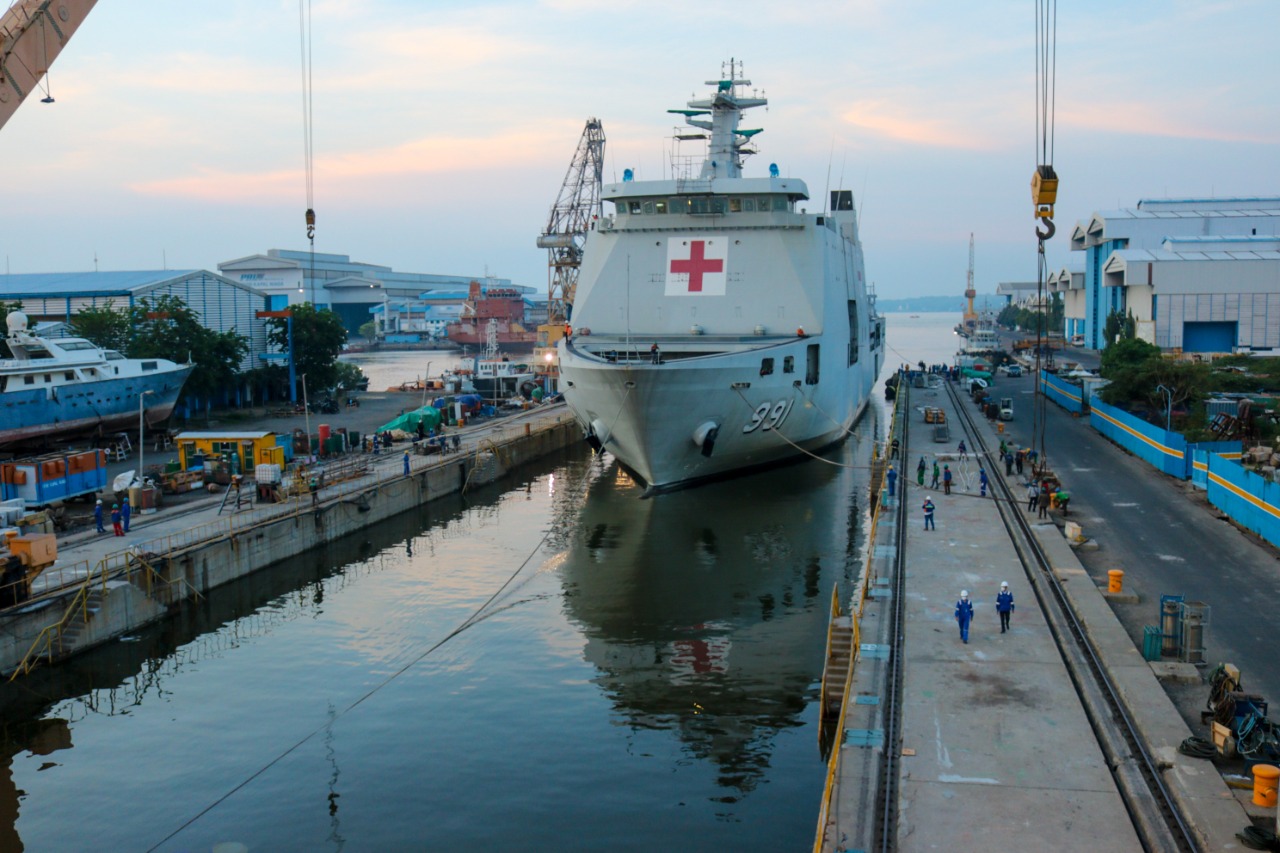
column 1163, row 255
column 71, row 283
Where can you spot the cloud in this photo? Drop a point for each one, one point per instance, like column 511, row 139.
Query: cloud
column 515, row 149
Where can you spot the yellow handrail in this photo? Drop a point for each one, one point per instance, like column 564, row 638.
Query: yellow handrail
column 864, row 584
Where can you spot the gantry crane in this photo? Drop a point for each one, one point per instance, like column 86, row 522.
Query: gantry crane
column 32, row 34
column 574, row 213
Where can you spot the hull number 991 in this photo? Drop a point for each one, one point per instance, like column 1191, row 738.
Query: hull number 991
column 768, row 415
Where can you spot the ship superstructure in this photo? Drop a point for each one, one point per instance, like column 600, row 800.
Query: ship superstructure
column 717, row 326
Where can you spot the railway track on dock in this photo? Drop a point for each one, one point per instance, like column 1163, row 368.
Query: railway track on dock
column 1156, row 818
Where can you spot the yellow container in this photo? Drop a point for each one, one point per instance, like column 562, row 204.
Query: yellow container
column 1265, row 777
column 1115, row 580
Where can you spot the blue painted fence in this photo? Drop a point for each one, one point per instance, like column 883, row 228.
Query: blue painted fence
column 1250, row 499
column 1062, row 392
column 1198, row 459
column 1162, row 448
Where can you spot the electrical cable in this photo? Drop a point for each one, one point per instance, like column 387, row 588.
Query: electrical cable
column 1257, row 838
column 1197, row 747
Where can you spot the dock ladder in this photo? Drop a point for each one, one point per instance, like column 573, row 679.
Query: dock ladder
column 839, row 659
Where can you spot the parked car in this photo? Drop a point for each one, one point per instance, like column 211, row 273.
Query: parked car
column 1012, row 369
column 1077, row 340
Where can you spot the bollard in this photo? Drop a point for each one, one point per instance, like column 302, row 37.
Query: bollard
column 1115, row 580
column 1265, row 777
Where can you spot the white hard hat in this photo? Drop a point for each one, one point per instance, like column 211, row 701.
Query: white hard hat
column 964, row 593
column 1004, row 584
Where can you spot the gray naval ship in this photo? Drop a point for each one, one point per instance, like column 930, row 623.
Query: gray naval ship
column 717, row 327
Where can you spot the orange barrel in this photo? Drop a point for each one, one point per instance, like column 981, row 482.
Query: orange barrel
column 1000, row 429
column 1265, row 777
column 325, row 432
column 1115, row 580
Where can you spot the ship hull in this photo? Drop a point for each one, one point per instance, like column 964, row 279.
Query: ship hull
column 77, row 409
column 657, row 418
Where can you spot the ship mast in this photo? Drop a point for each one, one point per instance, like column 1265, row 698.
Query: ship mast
column 726, row 148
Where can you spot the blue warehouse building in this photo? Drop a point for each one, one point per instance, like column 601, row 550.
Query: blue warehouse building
column 1198, row 275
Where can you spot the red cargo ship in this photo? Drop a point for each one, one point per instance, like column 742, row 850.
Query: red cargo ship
column 504, row 306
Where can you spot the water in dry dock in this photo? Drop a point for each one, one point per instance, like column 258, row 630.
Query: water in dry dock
column 647, row 681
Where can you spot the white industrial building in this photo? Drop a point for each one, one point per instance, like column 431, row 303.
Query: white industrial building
column 349, row 288
column 1198, row 275
column 1068, row 283
column 222, row 305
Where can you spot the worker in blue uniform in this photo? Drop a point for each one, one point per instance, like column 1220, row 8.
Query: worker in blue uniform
column 125, row 512
column 982, row 479
column 892, row 476
column 1004, row 605
column 964, row 614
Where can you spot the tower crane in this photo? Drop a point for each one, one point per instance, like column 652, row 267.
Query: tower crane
column 32, row 34
column 574, row 213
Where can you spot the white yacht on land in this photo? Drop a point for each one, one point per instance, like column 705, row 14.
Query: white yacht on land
column 67, row 386
column 717, row 326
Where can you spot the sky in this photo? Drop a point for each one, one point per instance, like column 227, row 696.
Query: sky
column 442, row 130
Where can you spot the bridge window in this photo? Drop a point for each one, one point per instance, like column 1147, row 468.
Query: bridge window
column 735, row 205
column 680, row 205
column 648, row 208
column 766, row 367
column 635, row 207
column 748, row 205
column 789, row 364
column 660, row 206
column 719, row 205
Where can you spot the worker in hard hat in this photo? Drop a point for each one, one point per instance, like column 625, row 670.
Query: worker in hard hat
column 964, row 614
column 1004, row 605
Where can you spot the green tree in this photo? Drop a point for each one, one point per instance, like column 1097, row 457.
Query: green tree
column 347, row 376
column 165, row 327
column 369, row 331
column 318, row 336
column 1125, row 355
column 1119, row 327
column 107, row 327
column 1138, row 385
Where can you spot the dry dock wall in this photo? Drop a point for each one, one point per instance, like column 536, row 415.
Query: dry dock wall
column 146, row 593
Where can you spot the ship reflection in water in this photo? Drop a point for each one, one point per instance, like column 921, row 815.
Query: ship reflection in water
column 704, row 611
column 650, row 686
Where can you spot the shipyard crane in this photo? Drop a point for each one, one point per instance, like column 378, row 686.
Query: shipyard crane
column 1044, row 190
column 574, row 213
column 970, row 315
column 32, row 34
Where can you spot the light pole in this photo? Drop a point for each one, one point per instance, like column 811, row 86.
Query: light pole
column 141, row 445
column 1168, row 404
column 306, row 409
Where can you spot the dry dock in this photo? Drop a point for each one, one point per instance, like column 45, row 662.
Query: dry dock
column 999, row 743
column 103, row 586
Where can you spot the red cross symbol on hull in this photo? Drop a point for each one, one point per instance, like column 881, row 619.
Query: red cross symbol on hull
column 705, row 274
